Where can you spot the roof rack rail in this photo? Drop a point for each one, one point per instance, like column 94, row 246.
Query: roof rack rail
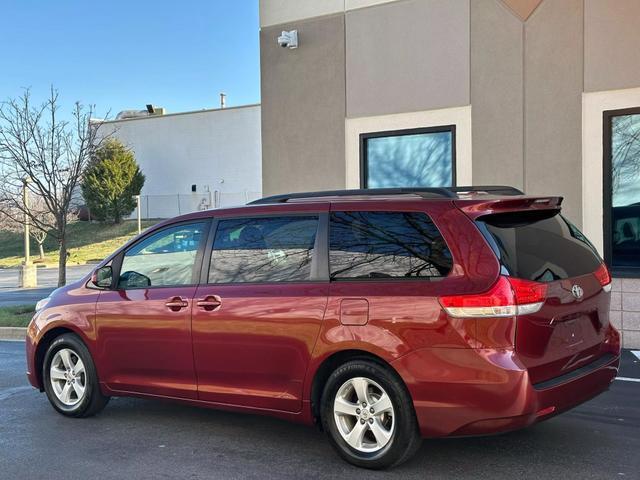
column 490, row 189
column 433, row 192
column 424, row 192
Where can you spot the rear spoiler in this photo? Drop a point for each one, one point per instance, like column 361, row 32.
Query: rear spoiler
column 476, row 207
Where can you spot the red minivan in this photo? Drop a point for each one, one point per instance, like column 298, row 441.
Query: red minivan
column 383, row 315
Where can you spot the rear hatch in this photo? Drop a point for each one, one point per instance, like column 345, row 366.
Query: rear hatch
column 540, row 245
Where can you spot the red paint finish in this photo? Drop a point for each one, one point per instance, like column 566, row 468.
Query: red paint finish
column 255, row 348
column 258, row 347
column 354, row 311
column 143, row 345
column 72, row 309
column 481, row 391
column 566, row 333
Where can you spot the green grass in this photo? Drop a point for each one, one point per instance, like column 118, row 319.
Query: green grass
column 18, row 316
column 87, row 243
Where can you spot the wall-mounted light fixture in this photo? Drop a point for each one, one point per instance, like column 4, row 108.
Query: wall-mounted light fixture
column 288, row 39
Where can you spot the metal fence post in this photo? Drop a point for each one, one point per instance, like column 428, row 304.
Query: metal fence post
column 139, row 214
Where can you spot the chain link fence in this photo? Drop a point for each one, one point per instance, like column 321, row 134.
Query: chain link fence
column 167, row 206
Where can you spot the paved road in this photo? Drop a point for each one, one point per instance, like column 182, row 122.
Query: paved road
column 139, row 439
column 10, row 294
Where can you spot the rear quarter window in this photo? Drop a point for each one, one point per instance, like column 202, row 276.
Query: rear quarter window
column 542, row 246
column 386, row 245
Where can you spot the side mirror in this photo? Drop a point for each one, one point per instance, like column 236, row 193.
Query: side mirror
column 102, row 277
column 133, row 280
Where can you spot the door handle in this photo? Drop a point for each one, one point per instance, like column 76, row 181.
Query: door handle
column 176, row 304
column 210, row 303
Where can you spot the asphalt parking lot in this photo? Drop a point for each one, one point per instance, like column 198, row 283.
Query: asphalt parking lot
column 135, row 438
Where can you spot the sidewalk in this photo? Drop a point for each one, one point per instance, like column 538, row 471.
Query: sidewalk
column 13, row 333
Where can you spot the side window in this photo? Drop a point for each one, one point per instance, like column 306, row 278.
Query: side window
column 263, row 249
column 163, row 259
column 386, row 245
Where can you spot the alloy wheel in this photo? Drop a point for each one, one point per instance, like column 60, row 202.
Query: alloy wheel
column 68, row 377
column 364, row 415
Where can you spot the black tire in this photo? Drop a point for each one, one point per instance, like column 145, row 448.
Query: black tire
column 405, row 439
column 93, row 401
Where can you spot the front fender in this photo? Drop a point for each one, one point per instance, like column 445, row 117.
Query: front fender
column 70, row 310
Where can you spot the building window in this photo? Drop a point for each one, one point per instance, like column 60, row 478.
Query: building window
column 421, row 157
column 622, row 190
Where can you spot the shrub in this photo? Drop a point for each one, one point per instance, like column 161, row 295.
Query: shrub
column 111, row 181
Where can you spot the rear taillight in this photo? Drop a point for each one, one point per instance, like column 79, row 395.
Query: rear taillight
column 508, row 297
column 603, row 276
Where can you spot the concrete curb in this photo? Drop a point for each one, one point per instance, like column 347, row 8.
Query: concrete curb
column 13, row 333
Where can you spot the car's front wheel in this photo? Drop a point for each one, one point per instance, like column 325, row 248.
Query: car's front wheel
column 70, row 378
column 369, row 415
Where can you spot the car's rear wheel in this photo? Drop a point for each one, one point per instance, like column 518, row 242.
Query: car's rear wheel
column 70, row 378
column 369, row 416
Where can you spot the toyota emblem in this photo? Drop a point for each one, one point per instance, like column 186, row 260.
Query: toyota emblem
column 577, row 291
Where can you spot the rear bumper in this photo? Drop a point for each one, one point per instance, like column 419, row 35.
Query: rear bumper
column 481, row 392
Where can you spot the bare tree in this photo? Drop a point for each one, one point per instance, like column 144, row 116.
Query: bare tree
column 39, row 236
column 47, row 155
column 8, row 224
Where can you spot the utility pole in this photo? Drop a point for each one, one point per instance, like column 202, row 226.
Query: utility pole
column 25, row 202
column 28, row 272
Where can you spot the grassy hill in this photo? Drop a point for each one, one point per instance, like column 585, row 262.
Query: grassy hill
column 87, row 242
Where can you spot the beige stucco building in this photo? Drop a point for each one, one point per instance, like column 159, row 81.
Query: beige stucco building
column 543, row 95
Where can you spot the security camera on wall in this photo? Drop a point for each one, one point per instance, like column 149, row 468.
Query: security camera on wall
column 288, row 39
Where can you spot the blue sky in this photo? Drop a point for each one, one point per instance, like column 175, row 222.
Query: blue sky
column 124, row 54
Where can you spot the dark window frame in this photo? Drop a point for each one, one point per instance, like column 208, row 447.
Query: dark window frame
column 320, row 251
column 385, row 279
column 607, row 193
column 364, row 137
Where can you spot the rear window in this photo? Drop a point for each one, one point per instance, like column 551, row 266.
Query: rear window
column 539, row 246
column 386, row 245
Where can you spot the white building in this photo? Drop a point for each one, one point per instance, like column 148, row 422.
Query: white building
column 194, row 160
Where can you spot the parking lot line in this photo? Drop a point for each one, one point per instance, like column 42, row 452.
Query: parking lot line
column 628, row 379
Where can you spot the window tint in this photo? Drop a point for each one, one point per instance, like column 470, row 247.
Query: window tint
column 540, row 247
column 271, row 249
column 165, row 258
column 386, row 245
